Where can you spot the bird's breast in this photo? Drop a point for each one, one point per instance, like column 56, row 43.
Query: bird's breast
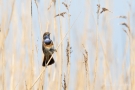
column 48, row 46
column 47, row 41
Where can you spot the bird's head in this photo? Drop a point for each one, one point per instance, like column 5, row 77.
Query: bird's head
column 46, row 35
column 46, row 38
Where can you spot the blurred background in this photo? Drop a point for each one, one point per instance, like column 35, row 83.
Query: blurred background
column 95, row 42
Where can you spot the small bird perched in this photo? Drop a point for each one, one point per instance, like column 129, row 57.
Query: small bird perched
column 48, row 49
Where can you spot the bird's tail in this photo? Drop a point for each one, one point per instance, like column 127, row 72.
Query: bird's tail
column 46, row 61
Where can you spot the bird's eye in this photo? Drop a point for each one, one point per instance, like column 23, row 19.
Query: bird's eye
column 46, row 36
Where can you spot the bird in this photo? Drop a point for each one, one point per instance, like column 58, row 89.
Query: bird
column 48, row 49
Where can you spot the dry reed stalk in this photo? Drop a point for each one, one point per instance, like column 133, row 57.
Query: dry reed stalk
column 41, row 82
column 68, row 45
column 14, row 48
column 132, row 70
column 13, row 2
column 12, row 74
column 98, row 11
column 129, row 37
column 55, row 25
column 32, row 54
column 55, row 83
column 3, row 59
column 133, row 64
column 61, row 71
column 97, row 25
column 19, row 82
column 29, row 72
column 122, row 80
column 68, row 64
column 80, row 75
column 27, row 42
column 106, row 67
column 3, row 70
column 3, row 35
column 39, row 20
column 24, row 75
column 65, row 84
column 68, row 53
column 96, row 58
column 30, row 44
column 36, row 3
column 52, row 55
column 26, row 85
column 52, row 1
column 31, row 8
column 132, row 58
column 105, row 52
column 86, row 68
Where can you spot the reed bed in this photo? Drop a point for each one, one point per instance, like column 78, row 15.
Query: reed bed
column 95, row 47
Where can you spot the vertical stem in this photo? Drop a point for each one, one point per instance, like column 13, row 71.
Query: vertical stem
column 12, row 73
column 32, row 50
column 61, row 50
column 68, row 67
column 96, row 60
column 3, row 36
column 3, row 81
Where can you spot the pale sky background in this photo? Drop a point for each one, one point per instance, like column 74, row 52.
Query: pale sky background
column 85, row 25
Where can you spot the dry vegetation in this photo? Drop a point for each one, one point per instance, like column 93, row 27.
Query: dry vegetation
column 86, row 58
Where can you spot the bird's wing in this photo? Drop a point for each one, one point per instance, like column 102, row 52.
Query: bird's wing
column 43, row 47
